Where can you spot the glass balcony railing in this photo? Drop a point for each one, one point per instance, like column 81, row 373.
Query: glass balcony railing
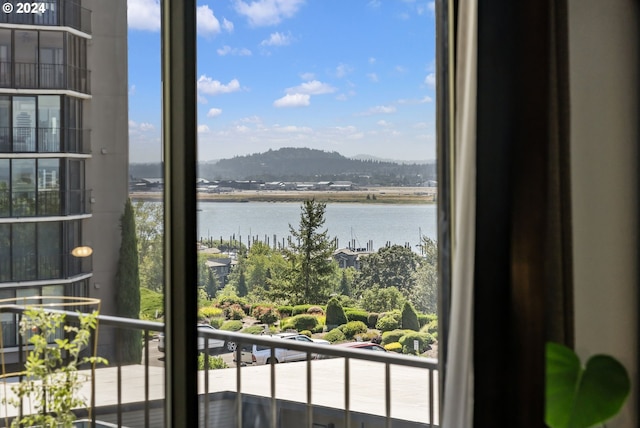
column 344, row 387
column 44, row 140
column 32, row 267
column 44, row 202
column 28, row 75
column 58, row 13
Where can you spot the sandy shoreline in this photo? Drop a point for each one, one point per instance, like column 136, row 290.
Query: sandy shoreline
column 375, row 195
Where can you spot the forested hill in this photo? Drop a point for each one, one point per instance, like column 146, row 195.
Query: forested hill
column 302, row 164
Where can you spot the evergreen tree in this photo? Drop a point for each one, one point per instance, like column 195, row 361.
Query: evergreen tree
column 335, row 313
column 345, row 287
column 128, row 288
column 242, row 285
column 310, row 256
column 409, row 317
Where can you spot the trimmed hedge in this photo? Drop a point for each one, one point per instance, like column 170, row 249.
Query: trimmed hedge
column 216, row 322
column 214, row 362
column 306, row 333
column 300, row 309
column 232, row 325
column 335, row 335
column 352, row 328
column 300, row 322
column 424, row 340
column 357, row 315
column 409, row 317
column 315, row 310
column 425, row 319
column 210, row 312
column 285, row 311
column 387, row 323
column 393, row 347
column 234, row 312
column 431, row 327
column 254, row 329
column 394, row 335
column 372, row 319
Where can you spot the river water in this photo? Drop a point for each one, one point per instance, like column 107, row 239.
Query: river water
column 356, row 225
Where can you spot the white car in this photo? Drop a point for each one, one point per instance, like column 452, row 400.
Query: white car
column 215, row 346
column 262, row 354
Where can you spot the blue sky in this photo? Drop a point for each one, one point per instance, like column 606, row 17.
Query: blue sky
column 352, row 76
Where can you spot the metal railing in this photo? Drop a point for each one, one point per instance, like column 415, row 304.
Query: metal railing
column 119, row 404
column 57, row 13
column 34, row 75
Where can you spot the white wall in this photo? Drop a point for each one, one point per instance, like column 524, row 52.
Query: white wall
column 604, row 58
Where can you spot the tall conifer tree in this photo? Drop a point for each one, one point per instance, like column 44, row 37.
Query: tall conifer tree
column 128, row 288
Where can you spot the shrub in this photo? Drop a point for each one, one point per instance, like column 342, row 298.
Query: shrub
column 227, row 300
column 300, row 322
column 299, row 309
column 315, row 310
column 285, row 311
column 306, row 333
column 233, row 325
column 357, row 315
column 335, row 313
column 352, row 328
column 407, row 342
column 234, row 312
column 369, row 336
column 318, row 329
column 372, row 319
column 393, row 336
column 214, row 362
column 431, row 327
column 335, row 335
column 216, row 322
column 409, row 317
column 425, row 319
column 393, row 347
column 254, row 329
column 210, row 312
column 387, row 323
column 265, row 314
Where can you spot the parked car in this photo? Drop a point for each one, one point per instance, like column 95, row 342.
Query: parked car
column 259, row 354
column 363, row 345
column 216, row 346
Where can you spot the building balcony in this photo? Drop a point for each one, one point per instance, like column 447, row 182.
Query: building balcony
column 44, row 203
column 55, row 13
column 340, row 388
column 45, row 140
column 27, row 75
column 43, row 267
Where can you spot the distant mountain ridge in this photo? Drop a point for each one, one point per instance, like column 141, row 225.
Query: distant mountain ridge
column 304, row 164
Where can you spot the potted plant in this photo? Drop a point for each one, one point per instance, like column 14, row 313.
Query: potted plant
column 51, row 380
column 582, row 397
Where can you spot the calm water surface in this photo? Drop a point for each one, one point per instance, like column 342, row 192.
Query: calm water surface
column 356, row 223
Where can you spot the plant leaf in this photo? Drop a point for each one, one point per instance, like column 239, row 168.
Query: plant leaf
column 562, row 373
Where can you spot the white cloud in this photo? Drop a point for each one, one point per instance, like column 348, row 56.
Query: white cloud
column 227, row 25
column 277, row 39
column 267, row 12
column 372, row 60
column 132, row 90
column 142, row 126
column 203, row 129
column 313, row 87
column 423, row 100
column 228, row 50
column 214, row 112
column 293, row 100
column 143, row 14
column 379, row 110
column 207, row 22
column 432, row 6
column 383, row 123
column 292, row 129
column 430, row 80
column 400, row 69
column 374, row 3
column 213, row 87
column 373, row 77
column 307, row 76
column 342, row 70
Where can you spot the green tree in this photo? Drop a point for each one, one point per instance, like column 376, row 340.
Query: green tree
column 242, row 285
column 392, row 266
column 409, row 317
column 425, row 293
column 345, row 286
column 149, row 231
column 381, row 299
column 310, row 251
column 335, row 313
column 128, row 288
